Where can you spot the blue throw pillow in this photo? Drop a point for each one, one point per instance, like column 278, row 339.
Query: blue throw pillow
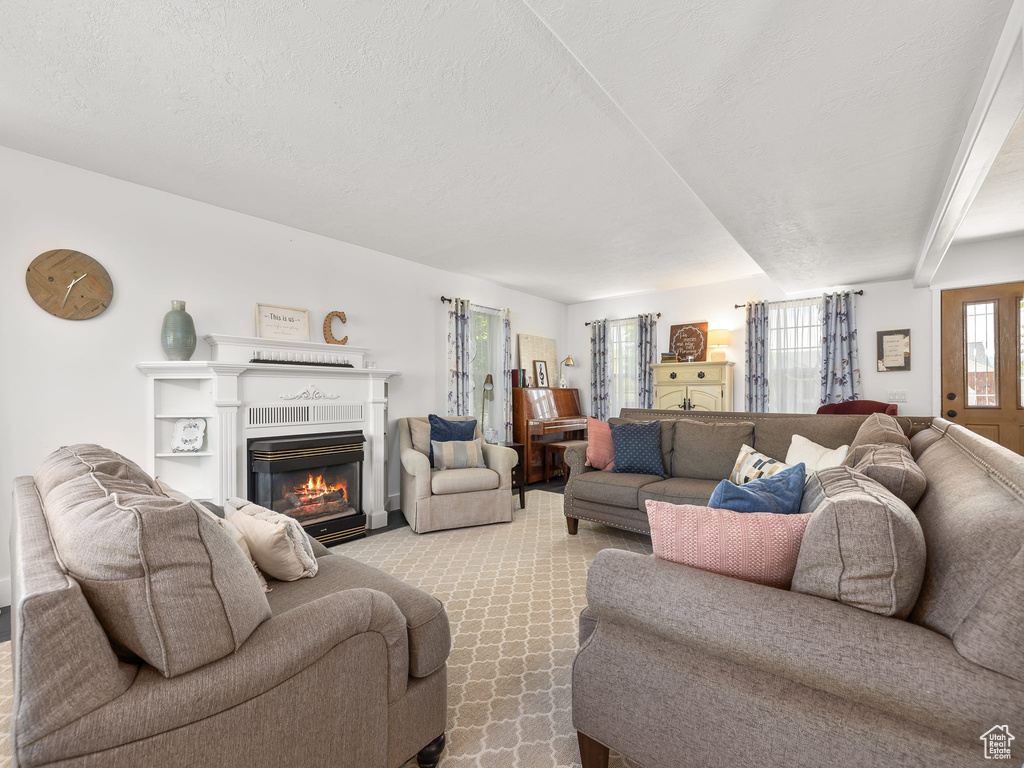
column 780, row 493
column 638, row 447
column 444, row 431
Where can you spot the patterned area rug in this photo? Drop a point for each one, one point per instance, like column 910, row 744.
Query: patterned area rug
column 513, row 593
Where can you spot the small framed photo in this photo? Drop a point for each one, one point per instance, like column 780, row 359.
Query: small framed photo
column 540, row 372
column 894, row 350
column 273, row 322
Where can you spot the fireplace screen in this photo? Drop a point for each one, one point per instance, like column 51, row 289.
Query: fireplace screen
column 317, row 479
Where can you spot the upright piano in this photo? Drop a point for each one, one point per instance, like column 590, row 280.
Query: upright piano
column 544, row 415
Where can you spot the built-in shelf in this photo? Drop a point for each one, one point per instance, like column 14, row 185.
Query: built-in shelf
column 176, row 416
column 182, row 454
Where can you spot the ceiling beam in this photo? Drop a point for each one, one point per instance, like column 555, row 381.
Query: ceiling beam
column 996, row 111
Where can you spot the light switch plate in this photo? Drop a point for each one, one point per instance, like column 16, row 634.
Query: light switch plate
column 896, row 396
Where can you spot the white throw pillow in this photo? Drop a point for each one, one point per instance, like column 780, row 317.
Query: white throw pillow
column 814, row 456
column 227, row 525
column 751, row 465
column 278, row 544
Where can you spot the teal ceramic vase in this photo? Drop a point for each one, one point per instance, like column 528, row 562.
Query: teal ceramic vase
column 178, row 333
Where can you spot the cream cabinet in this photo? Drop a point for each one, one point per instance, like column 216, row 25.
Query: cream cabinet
column 693, row 386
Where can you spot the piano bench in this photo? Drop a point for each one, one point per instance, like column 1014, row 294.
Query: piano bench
column 553, row 450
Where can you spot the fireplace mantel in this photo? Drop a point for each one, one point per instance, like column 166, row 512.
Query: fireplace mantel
column 243, row 400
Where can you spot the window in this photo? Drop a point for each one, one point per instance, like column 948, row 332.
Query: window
column 982, row 355
column 488, row 356
column 623, row 364
column 794, row 356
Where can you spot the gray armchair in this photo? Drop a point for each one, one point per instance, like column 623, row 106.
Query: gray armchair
column 434, row 500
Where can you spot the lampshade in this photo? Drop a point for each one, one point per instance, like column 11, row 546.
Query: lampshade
column 488, row 383
column 718, row 338
column 569, row 361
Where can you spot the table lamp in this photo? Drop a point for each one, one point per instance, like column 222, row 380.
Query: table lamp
column 718, row 340
column 561, row 379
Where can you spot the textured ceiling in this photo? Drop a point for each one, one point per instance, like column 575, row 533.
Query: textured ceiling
column 553, row 147
column 998, row 209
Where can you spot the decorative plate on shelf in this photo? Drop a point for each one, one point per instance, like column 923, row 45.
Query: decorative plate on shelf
column 188, row 435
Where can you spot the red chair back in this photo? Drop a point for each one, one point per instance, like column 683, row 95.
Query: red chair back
column 860, row 407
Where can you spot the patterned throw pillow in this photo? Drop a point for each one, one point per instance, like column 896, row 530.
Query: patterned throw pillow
column 445, row 430
column 752, row 464
column 638, row 448
column 458, row 454
column 758, row 547
column 600, row 448
column 779, row 494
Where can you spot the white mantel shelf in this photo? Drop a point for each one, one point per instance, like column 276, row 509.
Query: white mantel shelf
column 242, row 400
column 173, row 368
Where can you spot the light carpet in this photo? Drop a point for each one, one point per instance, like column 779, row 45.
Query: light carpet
column 513, row 593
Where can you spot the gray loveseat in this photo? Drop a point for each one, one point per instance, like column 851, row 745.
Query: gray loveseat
column 698, row 451
column 344, row 669
column 681, row 668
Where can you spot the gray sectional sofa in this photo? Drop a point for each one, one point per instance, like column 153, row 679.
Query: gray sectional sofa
column 698, row 451
column 680, row 668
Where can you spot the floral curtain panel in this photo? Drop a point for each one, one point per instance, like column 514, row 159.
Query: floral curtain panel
column 599, row 394
column 460, row 359
column 756, row 377
column 647, row 355
column 840, row 357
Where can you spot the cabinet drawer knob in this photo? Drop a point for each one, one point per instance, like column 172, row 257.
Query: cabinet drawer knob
column 672, row 375
column 700, row 374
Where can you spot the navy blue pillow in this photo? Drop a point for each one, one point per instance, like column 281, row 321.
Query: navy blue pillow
column 444, row 431
column 638, row 447
column 780, row 493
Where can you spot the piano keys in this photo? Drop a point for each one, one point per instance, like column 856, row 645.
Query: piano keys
column 543, row 415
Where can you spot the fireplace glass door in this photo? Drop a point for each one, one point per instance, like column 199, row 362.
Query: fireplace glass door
column 311, row 495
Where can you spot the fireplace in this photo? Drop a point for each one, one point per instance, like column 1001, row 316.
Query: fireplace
column 317, row 479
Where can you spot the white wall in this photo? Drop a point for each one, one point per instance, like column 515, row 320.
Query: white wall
column 66, row 382
column 883, row 306
column 997, row 260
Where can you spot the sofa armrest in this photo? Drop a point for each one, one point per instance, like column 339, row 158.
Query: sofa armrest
column 881, row 662
column 280, row 648
column 575, row 459
column 501, row 459
column 417, row 466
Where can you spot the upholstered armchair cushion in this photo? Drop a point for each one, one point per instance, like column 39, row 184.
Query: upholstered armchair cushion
column 444, row 481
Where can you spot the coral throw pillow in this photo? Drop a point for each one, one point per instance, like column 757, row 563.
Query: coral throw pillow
column 757, row 547
column 600, row 449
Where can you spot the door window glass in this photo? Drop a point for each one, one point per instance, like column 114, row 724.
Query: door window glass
column 981, row 355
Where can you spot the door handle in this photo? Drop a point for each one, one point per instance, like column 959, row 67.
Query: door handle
column 689, row 405
column 951, row 395
column 951, row 413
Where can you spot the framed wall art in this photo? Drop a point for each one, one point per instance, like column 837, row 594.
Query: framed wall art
column 894, row 350
column 540, row 372
column 273, row 322
column 689, row 342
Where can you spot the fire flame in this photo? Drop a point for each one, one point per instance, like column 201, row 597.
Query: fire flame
column 315, row 488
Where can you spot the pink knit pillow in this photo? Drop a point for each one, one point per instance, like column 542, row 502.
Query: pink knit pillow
column 754, row 546
column 600, row 449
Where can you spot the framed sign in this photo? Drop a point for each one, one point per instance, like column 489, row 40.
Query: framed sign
column 689, row 342
column 894, row 350
column 274, row 322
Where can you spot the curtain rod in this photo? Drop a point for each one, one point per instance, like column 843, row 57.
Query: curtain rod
column 446, row 300
column 741, row 306
column 590, row 322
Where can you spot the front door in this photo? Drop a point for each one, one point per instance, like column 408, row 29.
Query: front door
column 983, row 361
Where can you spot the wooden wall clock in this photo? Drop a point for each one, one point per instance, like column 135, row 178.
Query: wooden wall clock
column 69, row 284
